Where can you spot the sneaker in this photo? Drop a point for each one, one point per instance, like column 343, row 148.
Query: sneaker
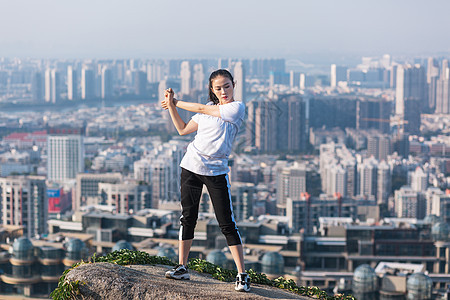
column 242, row 283
column 178, row 272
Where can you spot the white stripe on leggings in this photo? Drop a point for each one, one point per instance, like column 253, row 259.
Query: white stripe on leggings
column 231, row 207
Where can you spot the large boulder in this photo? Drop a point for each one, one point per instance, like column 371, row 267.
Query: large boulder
column 110, row 281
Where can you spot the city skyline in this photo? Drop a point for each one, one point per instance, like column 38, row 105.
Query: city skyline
column 175, row 29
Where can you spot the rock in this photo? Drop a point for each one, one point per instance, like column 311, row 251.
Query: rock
column 110, row 281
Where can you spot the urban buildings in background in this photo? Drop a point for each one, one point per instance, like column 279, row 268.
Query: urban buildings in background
column 340, row 180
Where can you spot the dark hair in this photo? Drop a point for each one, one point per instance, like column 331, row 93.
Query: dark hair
column 217, row 73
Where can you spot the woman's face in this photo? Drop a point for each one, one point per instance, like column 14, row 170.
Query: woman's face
column 223, row 88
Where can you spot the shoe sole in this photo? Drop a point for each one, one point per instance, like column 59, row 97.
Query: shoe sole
column 182, row 277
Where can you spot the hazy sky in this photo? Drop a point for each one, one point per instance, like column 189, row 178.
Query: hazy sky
column 224, row 28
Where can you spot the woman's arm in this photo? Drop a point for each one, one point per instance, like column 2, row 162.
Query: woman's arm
column 212, row 110
column 180, row 125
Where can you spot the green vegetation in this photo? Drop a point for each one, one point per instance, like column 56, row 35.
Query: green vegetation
column 68, row 290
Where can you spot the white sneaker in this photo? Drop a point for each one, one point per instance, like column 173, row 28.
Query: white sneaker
column 179, row 272
column 242, row 282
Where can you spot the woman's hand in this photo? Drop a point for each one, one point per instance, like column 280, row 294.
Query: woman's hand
column 169, row 100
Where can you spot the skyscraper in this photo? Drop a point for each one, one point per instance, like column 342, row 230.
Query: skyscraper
column 239, row 77
column 443, row 90
column 367, row 178
column 411, row 96
column 24, row 202
column 37, row 87
column 199, row 77
column 261, row 130
column 411, row 85
column 72, row 84
column 338, row 73
column 87, row 84
column 107, row 83
column 140, row 83
column 52, row 92
column 65, row 156
column 432, row 77
column 384, row 179
column 409, row 204
column 186, row 78
column 373, row 114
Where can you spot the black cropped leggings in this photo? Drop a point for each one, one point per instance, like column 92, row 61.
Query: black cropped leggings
column 219, row 192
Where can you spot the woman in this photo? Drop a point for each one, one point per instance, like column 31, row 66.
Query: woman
column 206, row 163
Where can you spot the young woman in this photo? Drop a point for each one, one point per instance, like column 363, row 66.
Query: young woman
column 206, row 163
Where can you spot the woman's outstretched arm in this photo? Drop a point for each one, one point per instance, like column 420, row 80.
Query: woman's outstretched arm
column 180, row 125
column 212, row 110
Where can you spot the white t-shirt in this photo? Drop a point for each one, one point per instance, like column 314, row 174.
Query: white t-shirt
column 208, row 153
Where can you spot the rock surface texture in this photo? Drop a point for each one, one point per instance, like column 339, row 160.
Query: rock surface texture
column 110, row 281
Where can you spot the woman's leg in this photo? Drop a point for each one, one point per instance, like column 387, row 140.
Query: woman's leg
column 238, row 256
column 183, row 249
column 220, row 194
column 191, row 191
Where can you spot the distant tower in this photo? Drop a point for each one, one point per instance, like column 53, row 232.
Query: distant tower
column 443, row 90
column 87, row 84
column 199, row 77
column 302, row 81
column 52, row 92
column 24, row 202
column 239, row 77
column 155, row 71
column 107, row 83
column 411, row 96
column 186, row 78
column 383, row 183
column 338, row 73
column 71, row 84
column 140, row 83
column 432, row 77
column 65, row 158
column 37, row 87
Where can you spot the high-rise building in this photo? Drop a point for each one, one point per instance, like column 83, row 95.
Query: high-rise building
column 261, row 130
column 239, row 77
column 291, row 182
column 155, row 71
column 72, row 84
column 440, row 206
column 52, row 86
column 367, row 178
column 373, row 114
column 37, row 87
column 432, row 76
column 87, row 187
column 277, row 124
column 186, row 78
column 107, row 83
column 338, row 73
column 87, row 84
column 409, row 203
column 292, row 123
column 65, row 156
column 419, row 180
column 140, row 83
column 384, row 180
column 161, row 177
column 126, row 197
column 243, row 198
column 379, row 146
column 198, row 77
column 443, row 90
column 23, row 201
column 411, row 97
